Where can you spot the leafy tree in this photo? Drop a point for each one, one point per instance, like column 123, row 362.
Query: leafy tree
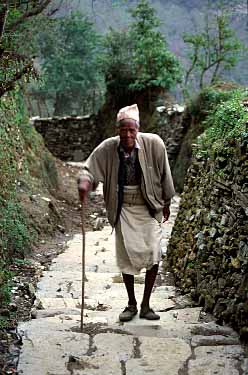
column 117, row 62
column 154, row 64
column 16, row 62
column 70, row 62
column 137, row 58
column 213, row 50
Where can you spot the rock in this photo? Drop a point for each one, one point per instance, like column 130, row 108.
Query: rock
column 224, row 220
column 33, row 313
column 61, row 228
column 38, row 304
column 5, row 312
column 161, row 109
column 235, row 263
column 213, row 232
column 31, row 290
column 243, row 251
column 99, row 224
column 12, row 307
column 214, row 340
column 46, row 199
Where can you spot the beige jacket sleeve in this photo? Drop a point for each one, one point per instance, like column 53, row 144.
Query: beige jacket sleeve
column 94, row 168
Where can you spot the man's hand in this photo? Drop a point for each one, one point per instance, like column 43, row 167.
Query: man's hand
column 84, row 186
column 166, row 213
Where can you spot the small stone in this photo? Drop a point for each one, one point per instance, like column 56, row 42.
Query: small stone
column 46, row 199
column 5, row 312
column 235, row 263
column 224, row 220
column 98, row 224
column 61, row 228
column 12, row 307
column 213, row 233
column 161, row 109
column 212, row 214
column 38, row 304
column 31, row 290
column 243, row 251
column 33, row 313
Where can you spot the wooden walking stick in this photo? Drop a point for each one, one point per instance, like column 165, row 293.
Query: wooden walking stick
column 83, row 262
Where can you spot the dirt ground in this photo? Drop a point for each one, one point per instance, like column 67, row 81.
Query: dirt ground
column 57, row 216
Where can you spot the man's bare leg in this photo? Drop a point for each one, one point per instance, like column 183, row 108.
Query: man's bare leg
column 149, row 283
column 146, row 312
column 129, row 284
column 131, row 310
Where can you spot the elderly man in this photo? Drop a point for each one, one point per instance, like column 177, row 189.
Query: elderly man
column 137, row 188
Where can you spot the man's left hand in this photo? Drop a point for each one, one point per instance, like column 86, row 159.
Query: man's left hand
column 166, row 213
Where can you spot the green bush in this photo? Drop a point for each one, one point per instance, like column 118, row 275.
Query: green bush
column 21, row 151
column 15, row 237
column 5, row 284
column 225, row 123
column 210, row 97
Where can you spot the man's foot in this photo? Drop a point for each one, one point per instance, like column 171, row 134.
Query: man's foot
column 128, row 313
column 149, row 314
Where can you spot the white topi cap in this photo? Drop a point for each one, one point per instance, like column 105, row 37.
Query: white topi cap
column 131, row 112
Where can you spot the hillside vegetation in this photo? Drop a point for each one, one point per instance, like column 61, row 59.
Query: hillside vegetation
column 27, row 169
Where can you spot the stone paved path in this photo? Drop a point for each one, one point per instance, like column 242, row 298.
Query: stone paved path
column 178, row 344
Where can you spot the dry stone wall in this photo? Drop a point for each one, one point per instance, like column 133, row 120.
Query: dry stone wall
column 69, row 138
column 168, row 124
column 208, row 250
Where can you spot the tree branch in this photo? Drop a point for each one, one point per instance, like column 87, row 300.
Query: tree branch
column 55, row 10
column 191, row 68
column 33, row 12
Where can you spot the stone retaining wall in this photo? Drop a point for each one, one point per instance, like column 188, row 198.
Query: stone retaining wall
column 208, row 250
column 168, row 124
column 69, row 138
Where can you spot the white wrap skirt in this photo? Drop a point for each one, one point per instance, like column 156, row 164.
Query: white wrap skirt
column 138, row 234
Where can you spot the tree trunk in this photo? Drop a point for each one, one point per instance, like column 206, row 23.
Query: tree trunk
column 3, row 16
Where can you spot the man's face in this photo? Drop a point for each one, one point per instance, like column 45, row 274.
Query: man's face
column 128, row 130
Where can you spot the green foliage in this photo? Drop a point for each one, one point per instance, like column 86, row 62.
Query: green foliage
column 117, row 62
column 154, row 64
column 214, row 50
column 138, row 58
column 70, row 51
column 11, row 147
column 16, row 50
column 15, row 237
column 225, row 123
column 18, row 141
column 5, row 286
column 209, row 97
column 21, row 262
